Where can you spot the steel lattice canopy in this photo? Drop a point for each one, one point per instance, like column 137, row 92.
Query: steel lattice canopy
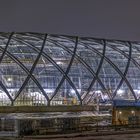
column 45, row 69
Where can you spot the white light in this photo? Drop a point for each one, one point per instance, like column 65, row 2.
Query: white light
column 59, row 63
column 105, row 97
column 72, row 91
column 120, row 112
column 98, row 91
column 120, row 92
column 3, row 95
column 49, row 90
column 12, row 90
column 9, row 79
column 132, row 111
column 137, row 91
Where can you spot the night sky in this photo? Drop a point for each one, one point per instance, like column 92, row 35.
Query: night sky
column 112, row 19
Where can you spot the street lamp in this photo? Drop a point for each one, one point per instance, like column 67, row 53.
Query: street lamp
column 133, row 112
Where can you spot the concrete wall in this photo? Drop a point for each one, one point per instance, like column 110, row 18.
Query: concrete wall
column 32, row 109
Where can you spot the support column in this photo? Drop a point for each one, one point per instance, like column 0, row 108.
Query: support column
column 16, row 127
column 2, row 123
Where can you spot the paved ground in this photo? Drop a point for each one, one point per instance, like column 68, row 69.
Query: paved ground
column 104, row 135
column 108, row 135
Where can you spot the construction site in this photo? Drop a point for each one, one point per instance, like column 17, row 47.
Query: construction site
column 56, row 84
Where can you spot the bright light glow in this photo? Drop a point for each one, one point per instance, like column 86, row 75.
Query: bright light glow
column 3, row 96
column 105, row 97
column 137, row 91
column 73, row 91
column 9, row 79
column 133, row 112
column 98, row 91
column 120, row 92
column 120, row 112
column 49, row 90
column 59, row 63
column 12, row 90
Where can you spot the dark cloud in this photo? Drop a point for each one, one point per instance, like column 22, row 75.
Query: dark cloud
column 118, row 19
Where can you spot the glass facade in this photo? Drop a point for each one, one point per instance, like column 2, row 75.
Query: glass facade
column 43, row 69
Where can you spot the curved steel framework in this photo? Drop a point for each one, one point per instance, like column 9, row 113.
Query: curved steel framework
column 44, row 69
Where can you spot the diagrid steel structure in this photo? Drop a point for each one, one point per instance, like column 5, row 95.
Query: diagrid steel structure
column 45, row 69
